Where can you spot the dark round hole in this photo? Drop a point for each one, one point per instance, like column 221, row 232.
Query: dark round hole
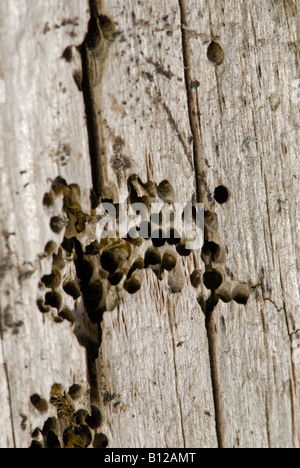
column 114, row 257
column 49, row 199
column 116, row 278
column 95, row 419
column 241, row 294
column 169, row 261
column 210, row 250
column 158, row 238
column 152, row 257
column 68, row 245
column 50, row 425
column 182, row 250
column 53, row 299
column 72, row 289
column 139, row 264
column 57, row 224
column 39, row 403
column 100, row 441
column 196, row 278
column 67, row 314
column 212, row 279
column 110, row 261
column 132, row 285
column 221, row 194
column 215, row 53
column 42, row 306
column 53, row 280
column 36, row 445
column 92, row 249
column 52, row 440
column 165, row 192
column 173, row 237
column 75, row 391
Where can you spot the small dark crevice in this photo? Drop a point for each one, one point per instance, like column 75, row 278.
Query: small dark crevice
column 215, row 382
column 93, row 381
column 89, row 61
column 194, row 116
column 9, row 397
column 91, row 117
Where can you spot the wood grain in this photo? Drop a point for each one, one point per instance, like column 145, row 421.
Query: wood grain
column 201, row 94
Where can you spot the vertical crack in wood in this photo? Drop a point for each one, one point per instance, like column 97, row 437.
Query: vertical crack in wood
column 93, row 382
column 176, row 377
column 95, row 148
column 95, row 145
column 198, row 152
column 215, row 383
column 198, row 149
column 7, row 381
column 10, row 402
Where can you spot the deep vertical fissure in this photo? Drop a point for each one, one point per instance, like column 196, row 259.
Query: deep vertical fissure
column 90, row 110
column 198, row 150
column 96, row 170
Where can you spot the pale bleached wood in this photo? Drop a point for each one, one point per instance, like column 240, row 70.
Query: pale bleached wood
column 248, row 109
column 154, row 352
column 245, row 129
column 158, row 366
column 37, row 126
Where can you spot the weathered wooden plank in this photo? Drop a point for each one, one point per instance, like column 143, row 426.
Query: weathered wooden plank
column 40, row 140
column 250, row 130
column 168, row 374
column 154, row 353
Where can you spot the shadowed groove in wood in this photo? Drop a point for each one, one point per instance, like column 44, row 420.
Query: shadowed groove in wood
column 94, row 140
column 10, row 404
column 95, row 144
column 195, row 118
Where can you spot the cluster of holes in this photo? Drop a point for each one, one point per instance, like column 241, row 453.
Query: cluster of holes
column 110, row 262
column 70, row 428
column 54, row 285
column 213, row 255
column 120, row 263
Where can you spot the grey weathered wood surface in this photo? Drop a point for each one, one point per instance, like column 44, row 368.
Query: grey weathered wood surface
column 164, row 379
column 37, row 125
